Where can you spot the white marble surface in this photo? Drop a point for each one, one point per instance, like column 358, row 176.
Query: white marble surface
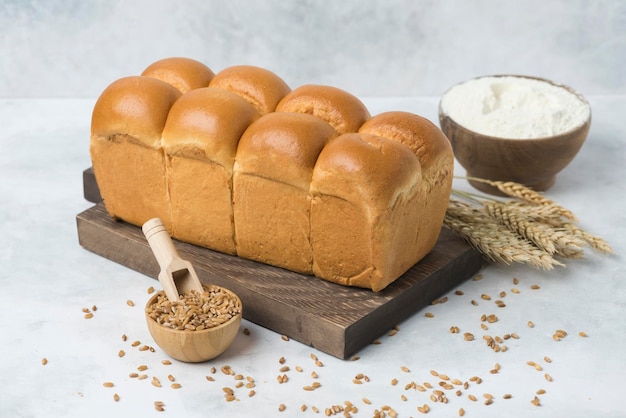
column 47, row 278
column 74, row 48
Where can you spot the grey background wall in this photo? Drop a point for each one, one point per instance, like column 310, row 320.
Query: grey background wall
column 74, row 48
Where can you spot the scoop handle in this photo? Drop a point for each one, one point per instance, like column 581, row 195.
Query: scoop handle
column 160, row 242
column 177, row 276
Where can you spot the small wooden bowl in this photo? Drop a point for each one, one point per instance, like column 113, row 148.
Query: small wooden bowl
column 194, row 346
column 532, row 162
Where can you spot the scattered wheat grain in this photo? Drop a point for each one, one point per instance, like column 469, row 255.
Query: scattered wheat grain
column 159, row 406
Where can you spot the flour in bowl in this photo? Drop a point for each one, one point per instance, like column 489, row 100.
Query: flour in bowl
column 514, row 107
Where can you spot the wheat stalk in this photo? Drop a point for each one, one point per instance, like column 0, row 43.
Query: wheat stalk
column 496, row 242
column 526, row 194
column 528, row 228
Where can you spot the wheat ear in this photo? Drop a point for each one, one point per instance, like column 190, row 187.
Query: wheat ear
column 526, row 194
column 555, row 241
column 594, row 241
column 494, row 240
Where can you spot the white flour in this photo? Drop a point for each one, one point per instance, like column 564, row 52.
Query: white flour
column 514, row 107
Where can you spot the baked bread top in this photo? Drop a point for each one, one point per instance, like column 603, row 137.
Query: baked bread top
column 207, row 124
column 183, row 73
column 260, row 87
column 134, row 106
column 342, row 110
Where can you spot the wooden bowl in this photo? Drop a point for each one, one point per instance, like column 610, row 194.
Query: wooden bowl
column 532, row 162
column 195, row 346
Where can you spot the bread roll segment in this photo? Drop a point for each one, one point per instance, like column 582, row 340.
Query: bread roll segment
column 436, row 158
column 125, row 147
column 183, row 73
column 260, row 87
column 273, row 171
column 200, row 140
column 422, row 137
column 363, row 213
column 343, row 111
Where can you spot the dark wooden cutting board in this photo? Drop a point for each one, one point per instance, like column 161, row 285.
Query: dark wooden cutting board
column 334, row 319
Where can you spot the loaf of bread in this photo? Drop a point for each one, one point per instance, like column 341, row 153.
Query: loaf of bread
column 239, row 163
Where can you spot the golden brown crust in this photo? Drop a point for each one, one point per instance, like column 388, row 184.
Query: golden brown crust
column 125, row 148
column 365, row 167
column 183, row 73
column 134, row 106
column 436, row 158
column 423, row 137
column 274, row 166
column 343, row 111
column 283, row 147
column 260, row 87
column 207, row 124
column 200, row 140
column 363, row 212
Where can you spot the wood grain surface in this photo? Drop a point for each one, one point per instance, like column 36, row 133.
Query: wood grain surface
column 334, row 319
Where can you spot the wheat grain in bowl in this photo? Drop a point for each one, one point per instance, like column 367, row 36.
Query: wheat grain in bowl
column 514, row 128
column 198, row 326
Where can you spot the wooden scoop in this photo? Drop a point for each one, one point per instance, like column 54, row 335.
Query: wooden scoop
column 177, row 276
